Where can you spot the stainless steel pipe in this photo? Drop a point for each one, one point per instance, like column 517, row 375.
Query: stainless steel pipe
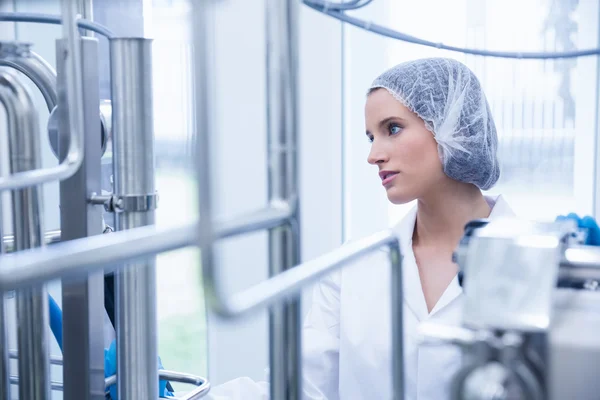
column 285, row 319
column 133, row 170
column 20, row 57
column 32, row 303
column 50, row 237
column 75, row 156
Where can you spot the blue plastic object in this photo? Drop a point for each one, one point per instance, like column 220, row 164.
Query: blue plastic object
column 110, row 354
column 55, row 321
column 588, row 223
column 110, row 368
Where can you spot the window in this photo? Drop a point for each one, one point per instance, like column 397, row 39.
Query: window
column 545, row 111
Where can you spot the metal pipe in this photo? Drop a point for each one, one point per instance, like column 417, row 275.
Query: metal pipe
column 76, row 259
column 133, row 170
column 20, row 57
column 14, row 355
column 5, row 387
column 50, row 237
column 32, row 306
column 285, row 324
column 74, row 158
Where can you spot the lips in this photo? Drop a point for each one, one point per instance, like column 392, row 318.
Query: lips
column 387, row 176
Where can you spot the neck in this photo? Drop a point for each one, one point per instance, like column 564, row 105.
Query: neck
column 442, row 216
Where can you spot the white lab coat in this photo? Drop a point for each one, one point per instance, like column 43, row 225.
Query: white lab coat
column 347, row 332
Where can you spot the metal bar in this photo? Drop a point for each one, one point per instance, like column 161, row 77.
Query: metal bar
column 268, row 218
column 76, row 259
column 20, row 57
column 133, row 166
column 202, row 389
column 82, row 301
column 31, row 303
column 50, row 237
column 58, row 386
column 4, row 359
column 14, row 355
column 73, row 161
column 285, row 324
column 5, row 387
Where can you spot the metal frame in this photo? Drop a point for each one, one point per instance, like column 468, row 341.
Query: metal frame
column 32, row 309
column 131, row 251
column 82, row 301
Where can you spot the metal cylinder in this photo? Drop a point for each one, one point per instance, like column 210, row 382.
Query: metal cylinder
column 284, row 244
column 4, row 350
column 32, row 303
column 133, row 169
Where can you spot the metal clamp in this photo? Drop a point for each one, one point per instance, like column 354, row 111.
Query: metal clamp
column 126, row 203
column 202, row 384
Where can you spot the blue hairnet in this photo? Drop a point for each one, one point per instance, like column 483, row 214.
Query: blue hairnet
column 448, row 97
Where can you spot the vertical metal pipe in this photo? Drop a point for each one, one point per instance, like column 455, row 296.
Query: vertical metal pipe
column 4, row 350
column 82, row 301
column 397, row 323
column 282, row 124
column 133, row 166
column 32, row 303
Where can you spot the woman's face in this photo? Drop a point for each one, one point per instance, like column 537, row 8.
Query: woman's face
column 404, row 151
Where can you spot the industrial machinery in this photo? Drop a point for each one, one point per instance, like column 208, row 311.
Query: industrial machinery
column 530, row 312
column 511, row 333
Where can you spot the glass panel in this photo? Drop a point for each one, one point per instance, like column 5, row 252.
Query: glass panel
column 543, row 109
column 181, row 312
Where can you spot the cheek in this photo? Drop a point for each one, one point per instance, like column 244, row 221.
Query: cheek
column 420, row 154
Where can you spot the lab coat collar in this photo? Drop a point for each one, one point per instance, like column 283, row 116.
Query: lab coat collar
column 413, row 292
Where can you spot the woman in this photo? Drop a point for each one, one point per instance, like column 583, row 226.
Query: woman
column 433, row 140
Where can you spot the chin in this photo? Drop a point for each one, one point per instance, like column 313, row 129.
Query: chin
column 399, row 197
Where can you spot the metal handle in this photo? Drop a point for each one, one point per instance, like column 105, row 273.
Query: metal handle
column 202, row 384
column 74, row 158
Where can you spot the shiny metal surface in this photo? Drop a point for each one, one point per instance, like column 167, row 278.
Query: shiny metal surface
column 82, row 301
column 31, row 303
column 4, row 349
column 20, row 57
column 504, row 260
column 50, row 237
column 202, row 389
column 133, row 170
column 5, row 388
column 285, row 319
column 73, row 161
column 76, row 259
column 269, row 218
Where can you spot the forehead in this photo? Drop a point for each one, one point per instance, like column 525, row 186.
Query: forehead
column 381, row 104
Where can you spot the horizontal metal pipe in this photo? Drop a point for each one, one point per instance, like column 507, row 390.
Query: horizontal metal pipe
column 288, row 284
column 50, row 237
column 54, row 385
column 259, row 220
column 270, row 217
column 14, row 355
column 80, row 257
column 203, row 385
column 76, row 259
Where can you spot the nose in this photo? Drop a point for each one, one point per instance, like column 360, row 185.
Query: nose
column 377, row 155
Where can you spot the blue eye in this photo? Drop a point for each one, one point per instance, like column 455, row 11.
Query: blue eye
column 394, row 129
